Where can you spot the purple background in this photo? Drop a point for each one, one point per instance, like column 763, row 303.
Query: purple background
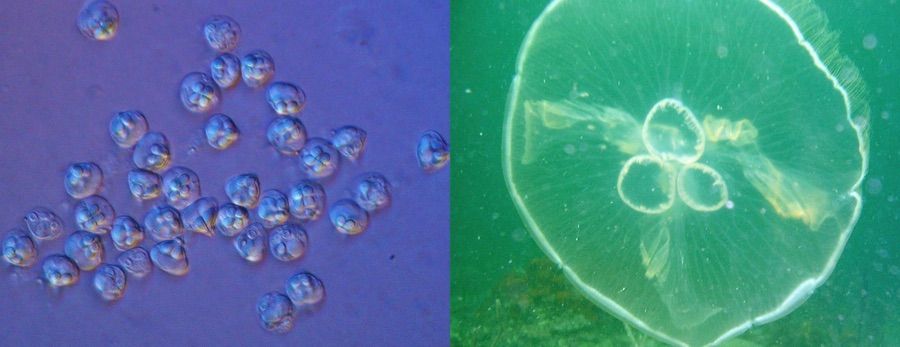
column 383, row 67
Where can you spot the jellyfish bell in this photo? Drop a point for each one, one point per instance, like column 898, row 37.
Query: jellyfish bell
column 713, row 192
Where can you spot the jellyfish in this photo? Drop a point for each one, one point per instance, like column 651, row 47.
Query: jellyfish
column 693, row 167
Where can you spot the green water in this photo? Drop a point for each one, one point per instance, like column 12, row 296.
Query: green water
column 506, row 292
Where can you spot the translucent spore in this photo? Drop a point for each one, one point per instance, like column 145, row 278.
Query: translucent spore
column 287, row 135
column 305, row 289
column 288, row 242
column 225, row 70
column 136, row 262
column 200, row 217
column 143, row 184
column 94, row 214
column 98, row 20
column 307, row 200
column 221, row 132
column 152, row 152
column 273, row 208
column 19, row 249
column 85, row 249
column 372, row 191
column 243, row 190
column 171, row 257
column 232, row 219
column 276, row 312
column 350, row 141
column 199, row 92
column 163, row 222
column 43, row 224
column 83, row 180
column 127, row 127
column 250, row 244
column 286, row 98
column 257, row 68
column 348, row 218
column 110, row 282
column 433, row 152
column 222, row 33
column 181, row 186
column 60, row 271
column 126, row 233
column 319, row 158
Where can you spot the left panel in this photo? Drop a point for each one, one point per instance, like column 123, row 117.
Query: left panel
column 316, row 213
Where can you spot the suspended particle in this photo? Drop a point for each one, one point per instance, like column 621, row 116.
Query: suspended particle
column 870, row 41
column 307, row 200
column 163, row 222
column 110, row 282
column 225, row 70
column 60, row 271
column 85, row 249
column 251, row 243
column 257, row 68
column 136, row 262
column 243, row 190
column 348, row 218
column 126, row 233
column 222, row 33
column 181, row 186
column 319, row 158
column 433, row 152
column 287, row 135
column 232, row 219
column 199, row 92
column 221, row 132
column 127, row 127
column 371, row 191
column 94, row 214
column 276, row 312
column 305, row 289
column 83, row 180
column 19, row 249
column 288, row 242
column 350, row 141
column 286, row 98
column 171, row 257
column 43, row 224
column 98, row 20
column 200, row 217
column 273, row 208
column 152, row 152
column 143, row 184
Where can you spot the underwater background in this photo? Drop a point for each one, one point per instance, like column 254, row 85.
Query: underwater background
column 505, row 291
